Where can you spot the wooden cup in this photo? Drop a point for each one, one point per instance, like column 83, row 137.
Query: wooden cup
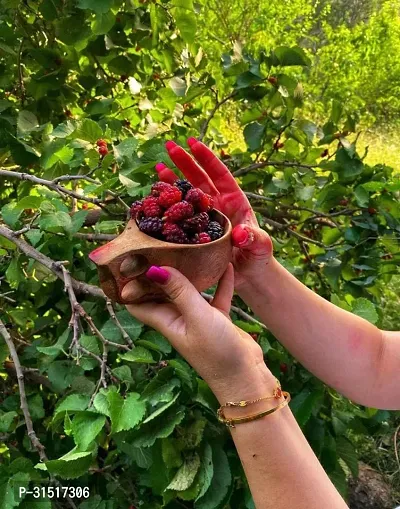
column 130, row 255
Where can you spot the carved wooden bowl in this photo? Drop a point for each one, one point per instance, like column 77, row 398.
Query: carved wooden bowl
column 128, row 257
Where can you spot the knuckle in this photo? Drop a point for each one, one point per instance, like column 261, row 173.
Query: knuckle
column 176, row 291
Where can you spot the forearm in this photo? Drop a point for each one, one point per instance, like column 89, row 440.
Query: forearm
column 280, row 466
column 342, row 349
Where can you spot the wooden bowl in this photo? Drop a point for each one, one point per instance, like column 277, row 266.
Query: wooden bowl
column 129, row 256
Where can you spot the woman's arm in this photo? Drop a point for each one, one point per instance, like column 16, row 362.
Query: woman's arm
column 280, row 466
column 342, row 349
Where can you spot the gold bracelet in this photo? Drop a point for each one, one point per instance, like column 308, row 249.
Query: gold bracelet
column 231, row 422
column 277, row 394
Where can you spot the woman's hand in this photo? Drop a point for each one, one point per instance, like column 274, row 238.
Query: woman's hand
column 227, row 358
column 253, row 246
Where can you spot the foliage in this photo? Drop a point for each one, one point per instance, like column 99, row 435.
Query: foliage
column 114, row 406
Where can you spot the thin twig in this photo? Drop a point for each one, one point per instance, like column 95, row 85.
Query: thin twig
column 206, row 123
column 36, row 443
column 53, row 266
column 61, row 190
column 20, row 75
column 238, row 311
column 123, row 332
column 263, row 164
column 95, row 237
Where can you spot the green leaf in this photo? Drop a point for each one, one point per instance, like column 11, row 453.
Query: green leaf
column 283, row 55
column 184, row 477
column 9, row 496
column 138, row 354
column 125, row 150
column 347, row 452
column 253, row 135
column 10, row 214
column 304, row 403
column 70, row 466
column 161, row 409
column 89, row 130
column 184, row 372
column 162, row 427
column 78, row 219
column 161, row 388
column 99, row 6
column 125, row 413
column 159, row 341
column 142, row 456
column 6, row 419
column 56, row 222
column 72, row 403
column 220, row 484
column 27, row 122
column 206, row 471
column 131, row 326
column 170, row 453
column 85, row 428
column 366, row 309
column 103, row 23
column 178, row 85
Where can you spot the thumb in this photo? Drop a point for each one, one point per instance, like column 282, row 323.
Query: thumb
column 254, row 243
column 178, row 289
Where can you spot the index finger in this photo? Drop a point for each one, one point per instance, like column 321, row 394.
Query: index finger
column 222, row 178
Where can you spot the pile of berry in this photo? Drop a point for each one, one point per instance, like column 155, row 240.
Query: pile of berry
column 177, row 213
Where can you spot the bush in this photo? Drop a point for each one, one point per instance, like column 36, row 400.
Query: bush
column 108, row 404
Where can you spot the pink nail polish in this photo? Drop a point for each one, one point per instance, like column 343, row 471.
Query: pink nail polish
column 240, row 236
column 191, row 141
column 170, row 145
column 160, row 166
column 157, row 275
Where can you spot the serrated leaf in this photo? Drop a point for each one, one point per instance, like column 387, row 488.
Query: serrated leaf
column 132, row 327
column 71, row 466
column 220, row 483
column 364, row 308
column 160, row 389
column 170, row 453
column 253, row 135
column 206, row 471
column 143, row 457
column 184, row 477
column 184, row 372
column 99, row 6
column 73, row 403
column 138, row 354
column 57, row 222
column 85, row 428
column 347, row 452
column 125, row 413
column 103, row 22
column 27, row 122
column 178, row 85
column 10, row 214
column 88, row 130
column 161, row 427
column 161, row 409
column 6, row 419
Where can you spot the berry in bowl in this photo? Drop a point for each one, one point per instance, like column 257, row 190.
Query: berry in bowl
column 177, row 226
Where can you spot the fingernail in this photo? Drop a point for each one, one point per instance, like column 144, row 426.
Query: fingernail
column 157, row 275
column 191, row 141
column 160, row 166
column 170, row 145
column 240, row 236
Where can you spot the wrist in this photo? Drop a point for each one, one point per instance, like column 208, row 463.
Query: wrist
column 258, row 282
column 256, row 382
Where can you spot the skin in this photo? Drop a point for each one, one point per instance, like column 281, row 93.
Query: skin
column 345, row 351
column 280, row 466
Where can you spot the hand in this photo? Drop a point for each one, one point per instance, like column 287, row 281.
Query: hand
column 227, row 358
column 253, row 246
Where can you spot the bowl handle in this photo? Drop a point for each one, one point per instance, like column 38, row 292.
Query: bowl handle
column 120, row 261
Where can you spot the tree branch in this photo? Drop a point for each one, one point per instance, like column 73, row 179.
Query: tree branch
column 51, row 184
column 206, row 123
column 238, row 311
column 36, row 443
column 31, row 252
column 263, row 164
